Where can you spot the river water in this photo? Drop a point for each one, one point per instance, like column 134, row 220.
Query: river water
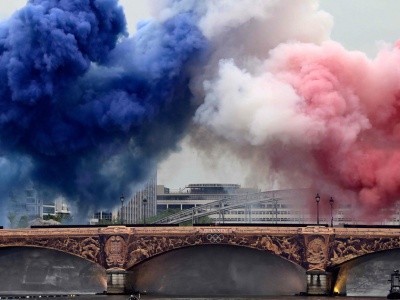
column 87, row 297
column 149, row 297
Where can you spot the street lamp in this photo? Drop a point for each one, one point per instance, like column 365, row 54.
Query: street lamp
column 317, row 199
column 144, row 210
column 122, row 198
column 222, row 203
column 331, row 203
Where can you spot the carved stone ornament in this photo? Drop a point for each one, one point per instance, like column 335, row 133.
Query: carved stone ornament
column 147, row 246
column 316, row 254
column 88, row 248
column 344, row 249
column 115, row 251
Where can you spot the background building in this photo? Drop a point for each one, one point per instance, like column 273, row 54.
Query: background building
column 194, row 195
column 299, row 208
column 142, row 205
column 102, row 217
column 32, row 203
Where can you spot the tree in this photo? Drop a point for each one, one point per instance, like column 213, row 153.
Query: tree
column 106, row 222
column 160, row 216
column 23, row 222
column 12, row 216
column 61, row 218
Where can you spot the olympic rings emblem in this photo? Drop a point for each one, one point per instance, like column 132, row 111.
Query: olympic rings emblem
column 215, row 238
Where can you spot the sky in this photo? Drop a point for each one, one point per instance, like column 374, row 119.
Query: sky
column 361, row 25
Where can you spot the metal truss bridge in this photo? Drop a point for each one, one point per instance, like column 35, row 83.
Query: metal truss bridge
column 232, row 202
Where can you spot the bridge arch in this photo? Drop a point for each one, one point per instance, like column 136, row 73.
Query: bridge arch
column 216, row 270
column 139, row 255
column 367, row 275
column 65, row 251
column 86, row 247
column 39, row 270
column 143, row 248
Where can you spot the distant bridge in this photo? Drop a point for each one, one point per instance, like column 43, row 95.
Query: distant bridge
column 231, row 202
column 318, row 250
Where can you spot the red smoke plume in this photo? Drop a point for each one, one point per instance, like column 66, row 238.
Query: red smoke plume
column 356, row 102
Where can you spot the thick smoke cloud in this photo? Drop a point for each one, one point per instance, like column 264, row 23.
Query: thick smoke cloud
column 89, row 110
column 300, row 108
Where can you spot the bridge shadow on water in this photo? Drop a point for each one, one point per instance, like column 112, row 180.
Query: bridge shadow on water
column 218, row 270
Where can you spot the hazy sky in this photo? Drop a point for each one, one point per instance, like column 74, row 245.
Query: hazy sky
column 364, row 25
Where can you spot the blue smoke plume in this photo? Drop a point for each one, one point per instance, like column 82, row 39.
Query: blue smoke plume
column 88, row 111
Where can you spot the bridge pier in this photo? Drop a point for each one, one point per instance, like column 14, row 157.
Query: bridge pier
column 117, row 282
column 319, row 283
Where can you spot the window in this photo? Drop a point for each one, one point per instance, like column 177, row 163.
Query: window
column 187, row 206
column 48, row 210
column 161, row 207
column 174, row 206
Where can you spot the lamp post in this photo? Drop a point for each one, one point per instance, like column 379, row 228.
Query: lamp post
column 122, row 198
column 222, row 204
column 317, row 199
column 331, row 203
column 144, row 210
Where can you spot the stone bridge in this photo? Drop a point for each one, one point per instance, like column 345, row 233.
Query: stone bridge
column 319, row 250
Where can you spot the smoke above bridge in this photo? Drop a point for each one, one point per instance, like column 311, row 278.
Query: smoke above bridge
column 85, row 110
column 88, row 112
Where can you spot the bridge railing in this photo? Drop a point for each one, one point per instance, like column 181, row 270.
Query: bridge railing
column 229, row 203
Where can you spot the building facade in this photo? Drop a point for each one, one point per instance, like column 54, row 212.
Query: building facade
column 194, row 195
column 102, row 217
column 31, row 203
column 141, row 206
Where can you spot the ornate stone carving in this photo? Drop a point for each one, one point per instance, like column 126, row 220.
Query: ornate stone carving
column 146, row 246
column 115, row 250
column 88, row 248
column 344, row 249
column 316, row 254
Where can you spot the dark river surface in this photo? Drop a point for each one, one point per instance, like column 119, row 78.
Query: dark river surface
column 95, row 297
column 148, row 297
